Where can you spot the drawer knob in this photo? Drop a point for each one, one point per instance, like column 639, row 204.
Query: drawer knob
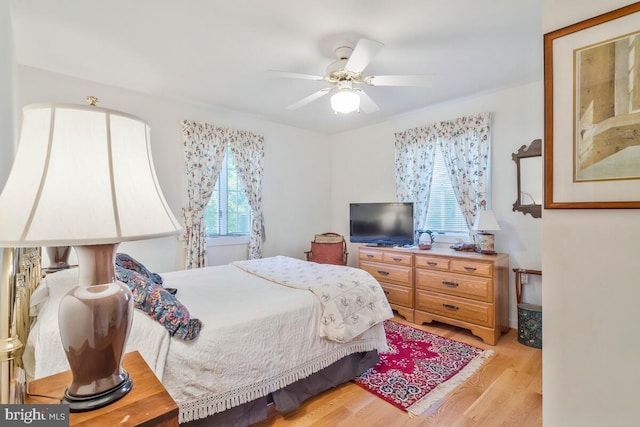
column 386, row 292
column 432, row 263
column 450, row 307
column 384, row 273
column 470, row 268
column 369, row 256
column 397, row 259
column 450, row 284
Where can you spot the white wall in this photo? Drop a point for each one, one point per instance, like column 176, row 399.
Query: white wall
column 7, row 95
column 591, row 296
column 296, row 201
column 7, row 84
column 364, row 170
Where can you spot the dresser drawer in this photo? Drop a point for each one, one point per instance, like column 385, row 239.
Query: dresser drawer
column 461, row 285
column 398, row 294
column 397, row 258
column 432, row 263
column 387, row 272
column 370, row 254
column 472, row 267
column 457, row 308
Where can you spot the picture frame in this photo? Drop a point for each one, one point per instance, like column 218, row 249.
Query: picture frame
column 592, row 116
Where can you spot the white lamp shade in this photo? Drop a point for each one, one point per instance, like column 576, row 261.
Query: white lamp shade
column 485, row 221
column 82, row 175
column 345, row 101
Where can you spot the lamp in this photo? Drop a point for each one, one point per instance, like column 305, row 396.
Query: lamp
column 485, row 221
column 83, row 176
column 58, row 258
column 346, row 100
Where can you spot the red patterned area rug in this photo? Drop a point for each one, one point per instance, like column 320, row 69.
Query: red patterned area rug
column 420, row 368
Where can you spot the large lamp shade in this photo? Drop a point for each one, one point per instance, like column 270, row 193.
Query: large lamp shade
column 83, row 176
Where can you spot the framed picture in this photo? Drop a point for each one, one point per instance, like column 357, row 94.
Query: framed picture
column 592, row 113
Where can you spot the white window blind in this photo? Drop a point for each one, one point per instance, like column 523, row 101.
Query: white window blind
column 228, row 212
column 443, row 214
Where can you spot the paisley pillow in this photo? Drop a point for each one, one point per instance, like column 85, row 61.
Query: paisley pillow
column 159, row 304
column 128, row 262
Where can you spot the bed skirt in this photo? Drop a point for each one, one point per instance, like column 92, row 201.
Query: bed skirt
column 290, row 397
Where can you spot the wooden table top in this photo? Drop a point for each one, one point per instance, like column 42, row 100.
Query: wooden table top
column 148, row 403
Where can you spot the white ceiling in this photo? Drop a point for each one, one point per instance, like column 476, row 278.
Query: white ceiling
column 219, row 52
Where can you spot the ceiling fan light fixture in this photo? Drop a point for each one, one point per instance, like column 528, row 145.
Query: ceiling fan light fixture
column 345, row 101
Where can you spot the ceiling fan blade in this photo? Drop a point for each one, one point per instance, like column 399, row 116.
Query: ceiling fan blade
column 362, row 54
column 297, row 75
column 310, row 98
column 366, row 103
column 408, row 80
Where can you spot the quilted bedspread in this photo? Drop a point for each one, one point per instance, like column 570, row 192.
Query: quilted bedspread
column 352, row 300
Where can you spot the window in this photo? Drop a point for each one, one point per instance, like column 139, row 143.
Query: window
column 228, row 212
column 443, row 214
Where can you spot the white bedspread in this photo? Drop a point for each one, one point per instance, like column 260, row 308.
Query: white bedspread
column 352, row 300
column 257, row 337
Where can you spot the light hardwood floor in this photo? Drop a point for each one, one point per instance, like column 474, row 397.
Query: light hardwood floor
column 505, row 391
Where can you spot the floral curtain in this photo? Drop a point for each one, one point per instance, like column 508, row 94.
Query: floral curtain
column 414, row 166
column 204, row 147
column 248, row 153
column 465, row 143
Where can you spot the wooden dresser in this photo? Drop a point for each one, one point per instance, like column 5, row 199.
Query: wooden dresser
column 464, row 289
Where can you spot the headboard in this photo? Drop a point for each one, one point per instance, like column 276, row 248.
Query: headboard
column 20, row 277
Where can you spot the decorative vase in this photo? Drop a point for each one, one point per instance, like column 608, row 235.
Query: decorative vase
column 425, row 240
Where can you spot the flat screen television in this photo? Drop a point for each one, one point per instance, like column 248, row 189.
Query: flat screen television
column 381, row 224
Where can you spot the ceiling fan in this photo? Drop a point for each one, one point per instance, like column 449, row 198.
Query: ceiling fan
column 345, row 76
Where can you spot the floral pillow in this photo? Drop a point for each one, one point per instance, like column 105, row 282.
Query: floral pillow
column 159, row 304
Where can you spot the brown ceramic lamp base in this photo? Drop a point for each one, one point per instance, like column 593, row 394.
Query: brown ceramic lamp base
column 95, row 319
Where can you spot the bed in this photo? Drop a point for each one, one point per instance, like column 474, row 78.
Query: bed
column 273, row 330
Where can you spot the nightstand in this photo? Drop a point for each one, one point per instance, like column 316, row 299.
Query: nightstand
column 148, row 403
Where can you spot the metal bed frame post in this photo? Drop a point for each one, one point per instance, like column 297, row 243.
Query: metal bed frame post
column 10, row 344
column 20, row 275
